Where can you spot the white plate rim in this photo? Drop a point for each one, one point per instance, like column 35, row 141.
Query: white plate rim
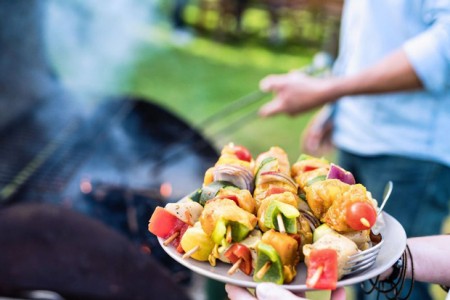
column 394, row 237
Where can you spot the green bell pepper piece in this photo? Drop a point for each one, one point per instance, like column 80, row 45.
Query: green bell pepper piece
column 304, row 156
column 288, row 213
column 301, row 194
column 238, row 232
column 219, row 232
column 210, row 191
column 316, row 179
column 268, row 164
column 266, row 253
column 195, row 195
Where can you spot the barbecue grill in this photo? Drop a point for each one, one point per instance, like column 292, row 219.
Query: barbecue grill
column 114, row 162
column 49, row 153
column 80, row 177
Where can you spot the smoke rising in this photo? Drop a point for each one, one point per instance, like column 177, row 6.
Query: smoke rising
column 92, row 44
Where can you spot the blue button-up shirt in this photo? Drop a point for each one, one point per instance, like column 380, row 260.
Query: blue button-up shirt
column 415, row 124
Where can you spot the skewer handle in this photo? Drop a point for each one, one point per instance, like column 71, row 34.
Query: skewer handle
column 229, row 237
column 281, row 227
column 263, row 270
column 190, row 252
column 235, row 267
column 316, row 276
column 171, row 238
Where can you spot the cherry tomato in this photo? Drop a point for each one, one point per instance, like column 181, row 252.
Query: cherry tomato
column 360, row 215
column 242, row 153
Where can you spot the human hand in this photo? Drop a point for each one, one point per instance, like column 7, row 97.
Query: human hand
column 295, row 92
column 316, row 137
column 271, row 291
column 266, row 291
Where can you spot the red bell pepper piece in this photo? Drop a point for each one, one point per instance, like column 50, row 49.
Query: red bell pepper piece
column 275, row 190
column 231, row 197
column 177, row 241
column 308, row 168
column 322, row 269
column 238, row 251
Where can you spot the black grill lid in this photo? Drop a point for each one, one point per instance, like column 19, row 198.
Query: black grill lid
column 127, row 141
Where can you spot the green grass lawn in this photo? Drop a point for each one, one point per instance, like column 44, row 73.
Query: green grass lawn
column 199, row 79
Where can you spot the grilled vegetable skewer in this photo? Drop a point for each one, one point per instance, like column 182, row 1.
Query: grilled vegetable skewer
column 235, row 165
column 254, row 216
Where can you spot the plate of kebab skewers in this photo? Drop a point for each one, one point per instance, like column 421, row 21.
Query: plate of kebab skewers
column 265, row 220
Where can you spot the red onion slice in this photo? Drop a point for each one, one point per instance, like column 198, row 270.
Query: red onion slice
column 237, row 175
column 339, row 173
column 271, row 176
column 312, row 220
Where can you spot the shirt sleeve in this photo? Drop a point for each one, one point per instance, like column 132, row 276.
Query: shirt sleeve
column 429, row 52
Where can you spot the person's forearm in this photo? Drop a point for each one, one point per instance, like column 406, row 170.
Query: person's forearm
column 430, row 259
column 394, row 73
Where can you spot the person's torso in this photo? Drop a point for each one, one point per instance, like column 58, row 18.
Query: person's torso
column 416, row 124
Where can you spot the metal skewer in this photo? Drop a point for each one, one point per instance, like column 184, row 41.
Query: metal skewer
column 175, row 148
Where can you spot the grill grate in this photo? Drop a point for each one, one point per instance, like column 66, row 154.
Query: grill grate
column 46, row 155
column 93, row 164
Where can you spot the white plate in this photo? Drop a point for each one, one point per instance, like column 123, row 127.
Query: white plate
column 394, row 237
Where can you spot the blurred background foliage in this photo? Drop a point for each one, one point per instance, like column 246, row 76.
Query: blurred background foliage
column 133, row 47
column 197, row 72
